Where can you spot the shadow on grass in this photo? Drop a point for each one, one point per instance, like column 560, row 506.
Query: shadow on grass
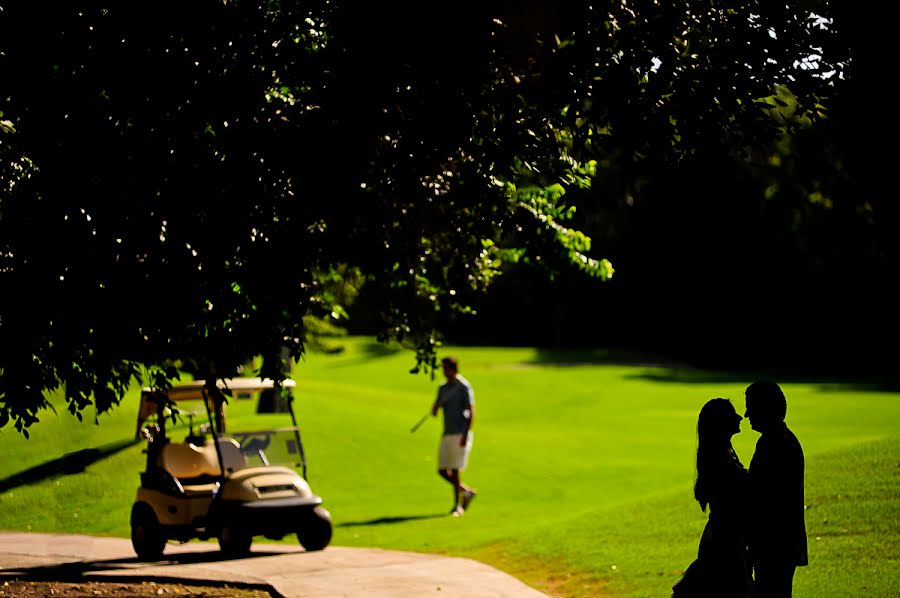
column 824, row 380
column 574, row 357
column 68, row 464
column 372, row 350
column 389, row 520
column 663, row 369
column 379, row 349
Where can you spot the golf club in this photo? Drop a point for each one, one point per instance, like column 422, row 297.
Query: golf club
column 419, row 423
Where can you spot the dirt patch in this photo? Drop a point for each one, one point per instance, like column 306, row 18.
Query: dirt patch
column 117, row 589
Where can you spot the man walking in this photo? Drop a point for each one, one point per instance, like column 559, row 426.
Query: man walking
column 777, row 530
column 457, row 400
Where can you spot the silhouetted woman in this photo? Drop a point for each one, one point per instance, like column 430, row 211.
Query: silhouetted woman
column 721, row 569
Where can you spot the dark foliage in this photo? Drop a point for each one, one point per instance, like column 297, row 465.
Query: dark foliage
column 185, row 183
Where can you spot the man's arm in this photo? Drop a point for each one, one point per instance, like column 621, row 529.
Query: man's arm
column 470, row 419
column 437, row 404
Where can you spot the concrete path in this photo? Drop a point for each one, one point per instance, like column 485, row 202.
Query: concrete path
column 289, row 571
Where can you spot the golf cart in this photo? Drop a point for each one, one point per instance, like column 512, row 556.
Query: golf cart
column 209, row 483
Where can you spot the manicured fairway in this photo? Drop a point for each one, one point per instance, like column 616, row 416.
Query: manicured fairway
column 584, row 468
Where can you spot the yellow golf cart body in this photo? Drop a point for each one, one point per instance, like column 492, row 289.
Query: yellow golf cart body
column 217, row 484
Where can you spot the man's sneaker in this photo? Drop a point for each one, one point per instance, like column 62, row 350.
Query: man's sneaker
column 468, row 495
column 456, row 512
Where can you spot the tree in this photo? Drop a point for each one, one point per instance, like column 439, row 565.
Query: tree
column 185, row 182
column 771, row 252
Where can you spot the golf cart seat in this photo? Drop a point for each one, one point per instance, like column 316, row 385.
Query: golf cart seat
column 196, row 468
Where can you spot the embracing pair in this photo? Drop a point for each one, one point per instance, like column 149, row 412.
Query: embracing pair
column 756, row 534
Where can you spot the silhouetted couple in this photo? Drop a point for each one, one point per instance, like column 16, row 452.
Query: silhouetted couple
column 756, row 534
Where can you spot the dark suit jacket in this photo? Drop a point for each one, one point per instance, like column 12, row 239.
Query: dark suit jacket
column 777, row 532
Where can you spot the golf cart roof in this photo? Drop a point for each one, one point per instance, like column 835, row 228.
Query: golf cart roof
column 193, row 391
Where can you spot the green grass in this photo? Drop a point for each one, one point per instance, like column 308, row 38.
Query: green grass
column 584, row 469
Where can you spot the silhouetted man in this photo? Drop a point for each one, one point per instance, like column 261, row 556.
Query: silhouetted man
column 777, row 530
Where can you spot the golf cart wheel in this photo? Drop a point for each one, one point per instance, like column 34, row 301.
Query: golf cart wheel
column 147, row 535
column 315, row 529
column 234, row 541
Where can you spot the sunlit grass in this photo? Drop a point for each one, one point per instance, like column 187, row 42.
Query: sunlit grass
column 584, row 468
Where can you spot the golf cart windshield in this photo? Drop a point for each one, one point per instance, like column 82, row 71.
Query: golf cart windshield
column 255, row 441
column 264, row 448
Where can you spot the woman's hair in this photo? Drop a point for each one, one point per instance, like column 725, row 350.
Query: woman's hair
column 714, row 434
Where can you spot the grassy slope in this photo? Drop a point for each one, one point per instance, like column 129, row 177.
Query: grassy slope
column 584, row 472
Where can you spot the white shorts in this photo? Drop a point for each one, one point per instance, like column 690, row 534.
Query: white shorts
column 451, row 455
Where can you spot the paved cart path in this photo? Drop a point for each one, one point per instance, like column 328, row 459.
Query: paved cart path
column 288, row 570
